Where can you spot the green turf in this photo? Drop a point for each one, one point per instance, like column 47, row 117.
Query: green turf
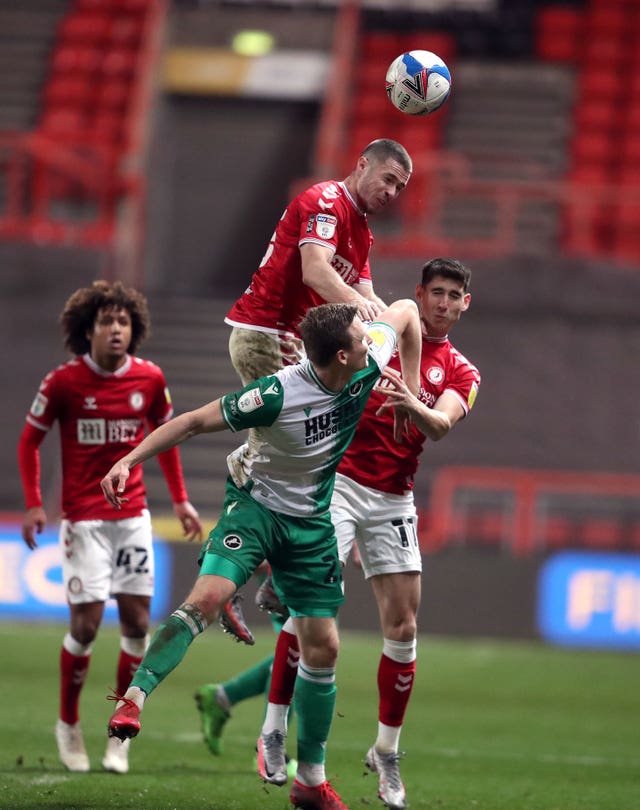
column 492, row 726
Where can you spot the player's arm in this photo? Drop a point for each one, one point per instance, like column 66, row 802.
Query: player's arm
column 207, row 419
column 35, row 517
column 403, row 316
column 318, row 274
column 434, row 422
column 366, row 291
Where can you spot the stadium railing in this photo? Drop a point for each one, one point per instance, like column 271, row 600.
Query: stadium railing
column 78, row 178
column 525, row 512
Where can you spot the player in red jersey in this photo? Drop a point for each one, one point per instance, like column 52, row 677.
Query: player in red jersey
column 102, row 400
column 373, row 504
column 319, row 252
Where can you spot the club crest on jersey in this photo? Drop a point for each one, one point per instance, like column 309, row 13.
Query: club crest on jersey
column 232, row 542
column 38, row 405
column 355, row 389
column 250, row 400
column 435, row 375
column 136, row 400
column 326, row 225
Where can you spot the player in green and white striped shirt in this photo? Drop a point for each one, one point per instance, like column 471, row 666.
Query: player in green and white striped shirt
column 277, row 508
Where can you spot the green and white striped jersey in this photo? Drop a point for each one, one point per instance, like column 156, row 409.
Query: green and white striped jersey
column 301, row 430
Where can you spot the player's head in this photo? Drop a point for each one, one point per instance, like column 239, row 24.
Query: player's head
column 381, row 172
column 330, row 330
column 87, row 304
column 443, row 294
column 447, row 268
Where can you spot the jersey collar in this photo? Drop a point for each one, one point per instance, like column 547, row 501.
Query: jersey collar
column 98, row 370
column 347, row 194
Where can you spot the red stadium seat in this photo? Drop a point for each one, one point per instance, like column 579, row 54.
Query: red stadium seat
column 599, row 115
column 108, row 127
column 589, row 147
column 600, row 81
column 76, row 59
column 380, row 46
column 442, row 44
column 69, row 91
column 63, row 121
column 120, row 62
column 114, row 94
column 601, row 22
column 558, row 34
column 126, row 31
column 85, row 28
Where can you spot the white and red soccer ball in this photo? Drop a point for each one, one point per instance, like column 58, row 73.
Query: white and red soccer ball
column 418, row 82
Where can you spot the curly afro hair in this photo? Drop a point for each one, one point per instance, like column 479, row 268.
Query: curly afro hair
column 80, row 311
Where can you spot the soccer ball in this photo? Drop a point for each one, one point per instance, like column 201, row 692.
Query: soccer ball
column 418, row 82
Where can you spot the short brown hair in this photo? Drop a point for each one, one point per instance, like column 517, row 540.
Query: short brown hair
column 79, row 313
column 325, row 330
column 384, row 148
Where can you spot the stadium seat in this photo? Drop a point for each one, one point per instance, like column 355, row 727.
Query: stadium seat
column 126, row 31
column 108, row 126
column 601, row 81
column 372, row 107
column 75, row 59
column 605, row 51
column 119, row 62
column 381, row 47
column 85, row 28
column 69, row 91
column 63, row 121
column 603, row 21
column 113, row 94
column 589, row 147
column 442, row 44
column 558, row 34
column 599, row 115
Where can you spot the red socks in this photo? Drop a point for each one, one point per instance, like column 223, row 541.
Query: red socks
column 395, row 682
column 285, row 668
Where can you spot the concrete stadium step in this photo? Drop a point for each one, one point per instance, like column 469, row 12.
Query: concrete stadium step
column 189, row 341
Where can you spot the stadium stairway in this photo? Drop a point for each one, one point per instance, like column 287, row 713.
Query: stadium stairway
column 512, row 122
column 27, row 32
column 189, row 341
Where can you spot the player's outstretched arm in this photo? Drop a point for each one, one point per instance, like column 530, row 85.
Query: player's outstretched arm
column 207, row 419
column 403, row 316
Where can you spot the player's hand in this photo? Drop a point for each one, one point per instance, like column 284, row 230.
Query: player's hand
column 114, row 483
column 399, row 397
column 368, row 310
column 187, row 515
column 397, row 394
column 292, row 350
column 34, row 522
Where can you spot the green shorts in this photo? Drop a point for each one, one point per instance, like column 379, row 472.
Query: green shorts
column 302, row 552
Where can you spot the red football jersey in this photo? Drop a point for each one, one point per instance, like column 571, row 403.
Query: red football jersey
column 277, row 298
column 102, row 416
column 374, row 459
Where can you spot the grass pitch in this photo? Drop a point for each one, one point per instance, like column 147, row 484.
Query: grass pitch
column 491, row 726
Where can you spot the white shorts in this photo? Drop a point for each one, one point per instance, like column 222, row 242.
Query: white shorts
column 102, row 558
column 384, row 526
